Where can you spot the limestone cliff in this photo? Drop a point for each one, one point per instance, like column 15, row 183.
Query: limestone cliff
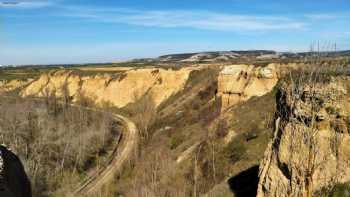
column 118, row 89
column 310, row 149
column 238, row 83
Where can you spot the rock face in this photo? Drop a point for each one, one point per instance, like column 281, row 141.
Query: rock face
column 238, row 83
column 310, row 149
column 118, row 90
column 13, row 179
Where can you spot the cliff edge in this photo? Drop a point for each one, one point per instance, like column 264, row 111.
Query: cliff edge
column 310, row 148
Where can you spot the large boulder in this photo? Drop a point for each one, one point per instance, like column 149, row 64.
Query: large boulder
column 13, row 179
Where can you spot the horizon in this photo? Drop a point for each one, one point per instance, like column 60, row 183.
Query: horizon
column 135, row 59
column 37, row 32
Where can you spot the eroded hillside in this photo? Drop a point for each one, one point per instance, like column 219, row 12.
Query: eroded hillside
column 118, row 89
column 7, row 86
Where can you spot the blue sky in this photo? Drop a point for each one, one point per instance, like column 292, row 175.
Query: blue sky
column 80, row 31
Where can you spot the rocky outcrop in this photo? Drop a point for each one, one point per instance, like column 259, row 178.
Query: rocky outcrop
column 310, row 149
column 238, row 83
column 13, row 179
column 118, row 89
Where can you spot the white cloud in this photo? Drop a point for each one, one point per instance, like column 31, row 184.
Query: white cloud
column 186, row 19
column 327, row 16
column 321, row 16
column 24, row 4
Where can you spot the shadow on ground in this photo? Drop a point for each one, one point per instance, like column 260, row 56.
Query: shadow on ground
column 245, row 184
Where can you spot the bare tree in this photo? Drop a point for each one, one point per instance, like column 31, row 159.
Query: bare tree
column 55, row 152
column 144, row 113
column 65, row 94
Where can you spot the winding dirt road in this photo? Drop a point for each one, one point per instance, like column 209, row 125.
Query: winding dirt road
column 94, row 183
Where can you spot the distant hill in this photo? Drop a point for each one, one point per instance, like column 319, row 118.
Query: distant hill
column 214, row 56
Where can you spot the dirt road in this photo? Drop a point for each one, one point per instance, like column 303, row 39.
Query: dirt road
column 94, row 183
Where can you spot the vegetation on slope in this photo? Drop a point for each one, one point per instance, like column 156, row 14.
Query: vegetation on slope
column 58, row 144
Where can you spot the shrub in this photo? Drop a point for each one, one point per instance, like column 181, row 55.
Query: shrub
column 236, row 149
column 176, row 141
